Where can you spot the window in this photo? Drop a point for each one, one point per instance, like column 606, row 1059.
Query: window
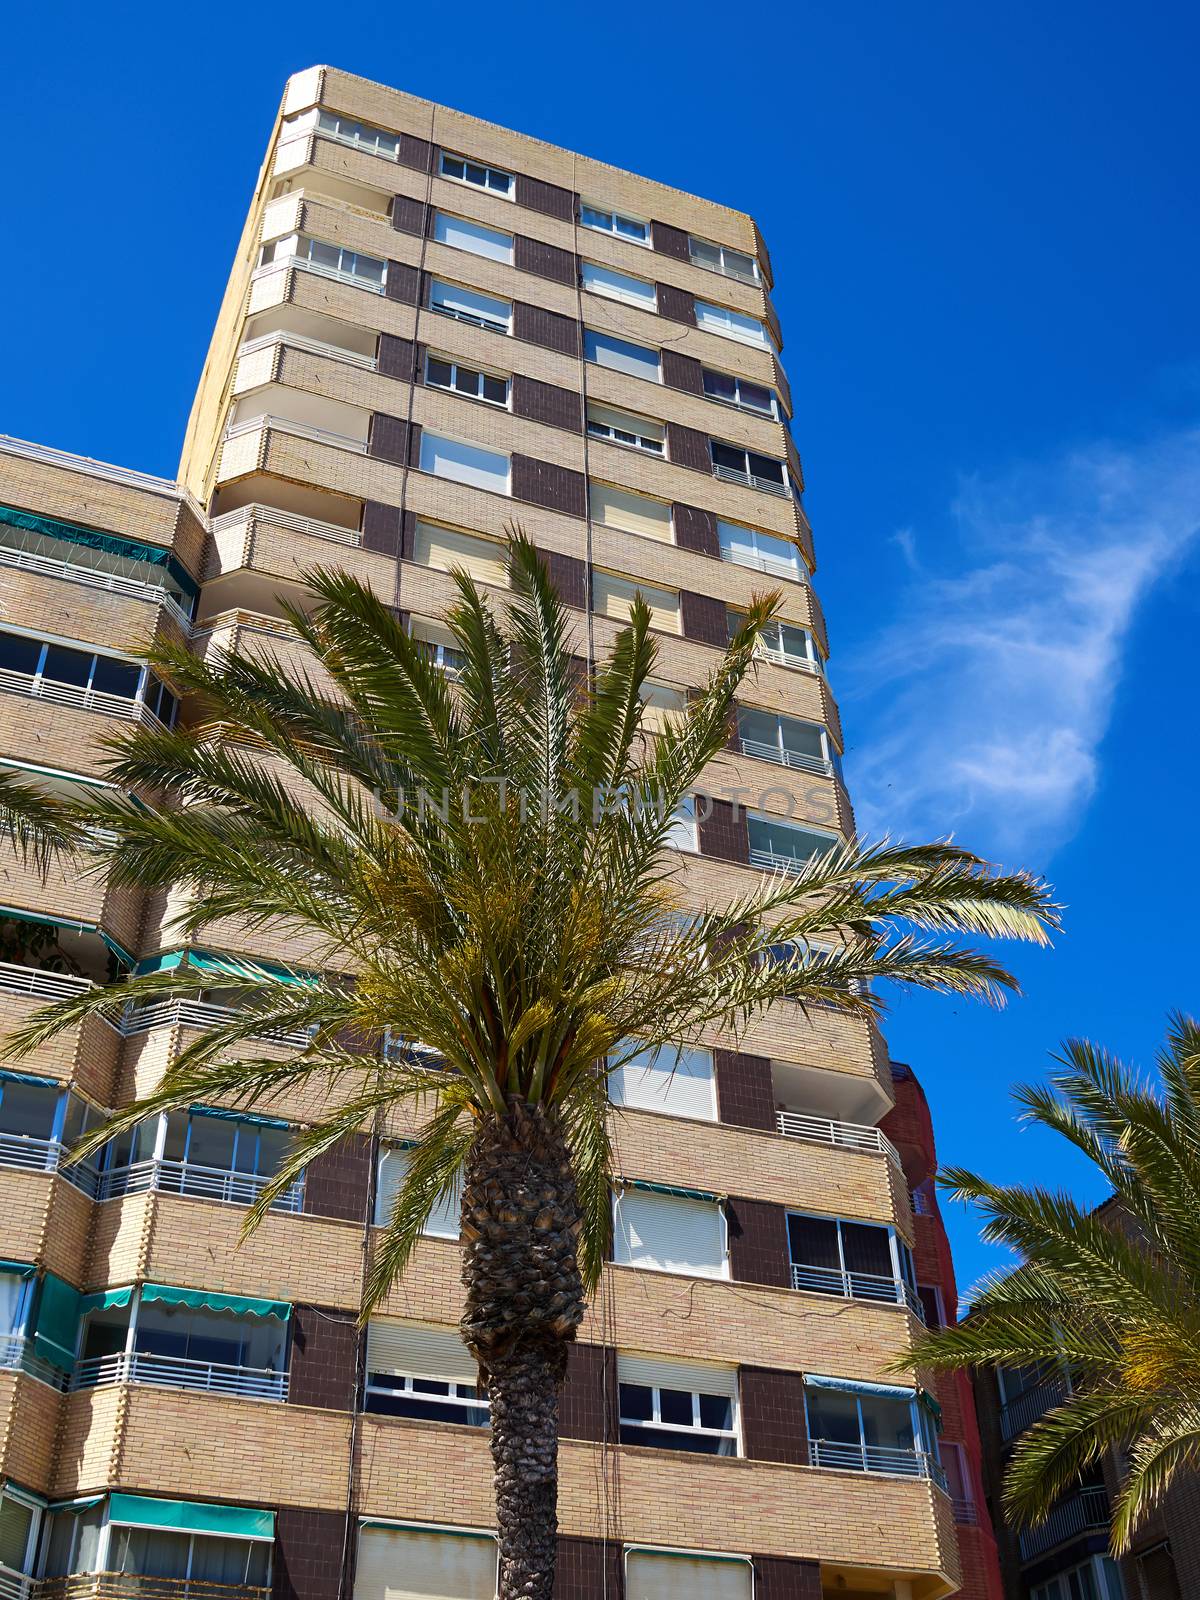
column 930, row 1297
column 16, row 1290
column 861, row 1260
column 441, row 373
column 461, row 170
column 612, row 597
column 958, row 1475
column 732, row 325
column 679, row 1083
column 765, row 552
column 20, row 1523
column 74, row 676
column 735, row 465
column 414, row 1370
column 1098, row 1579
column 622, row 427
column 780, row 846
column 442, row 1221
column 665, row 1574
column 670, row 1233
column 464, row 463
column 614, row 222
column 619, row 286
column 1156, row 1574
column 439, row 644
column 468, row 305
column 415, row 1563
column 669, row 1405
column 358, row 133
column 331, row 259
column 632, row 359
column 869, row 1428
column 447, row 548
column 721, row 258
column 631, row 513
column 682, row 833
column 660, row 701
column 198, row 1558
column 473, row 236
column 90, row 556
column 768, row 736
column 740, row 392
column 785, row 645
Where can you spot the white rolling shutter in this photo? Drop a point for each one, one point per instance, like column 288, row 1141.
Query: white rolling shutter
column 418, row 1350
column 424, row 1564
column 613, row 596
column 680, row 1085
column 444, row 548
column 443, row 1219
column 668, row 1233
column 634, row 513
column 660, row 1372
column 664, row 1575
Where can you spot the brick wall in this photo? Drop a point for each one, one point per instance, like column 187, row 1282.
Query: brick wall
column 309, row 1549
column 324, row 1359
column 337, row 1183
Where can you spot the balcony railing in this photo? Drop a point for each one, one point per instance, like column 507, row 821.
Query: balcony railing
column 796, row 759
column 751, row 480
column 92, row 578
column 14, row 1585
column 773, row 861
column 473, row 318
column 248, row 519
column 189, row 1178
column 846, row 1135
column 17, row 1355
column 964, row 1511
column 773, row 566
column 69, row 694
column 1081, row 1512
column 177, row 1372
column 303, row 264
column 136, row 1586
column 302, row 430
column 316, row 347
column 856, row 1286
column 875, row 1458
column 1023, row 1411
column 197, row 1014
column 783, row 658
column 40, row 985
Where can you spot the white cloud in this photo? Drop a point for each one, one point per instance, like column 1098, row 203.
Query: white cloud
column 982, row 706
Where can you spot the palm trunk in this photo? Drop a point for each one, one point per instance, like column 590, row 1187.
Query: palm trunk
column 524, row 1302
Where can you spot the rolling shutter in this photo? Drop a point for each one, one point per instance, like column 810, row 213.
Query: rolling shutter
column 613, row 596
column 660, row 1575
column 424, row 1564
column 443, row 1219
column 417, row 1350
column 661, row 1373
column 681, row 1085
column 445, row 548
column 668, row 1233
column 633, row 513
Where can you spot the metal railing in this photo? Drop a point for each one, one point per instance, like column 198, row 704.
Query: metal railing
column 195, row 1181
column 43, row 985
column 136, row 1586
column 93, row 578
column 1024, row 1410
column 250, row 517
column 751, row 480
column 784, row 658
column 470, row 317
column 964, row 1511
column 14, row 1585
column 771, row 565
column 772, row 861
column 875, row 1458
column 94, row 469
column 303, row 264
column 857, row 1286
column 69, row 694
column 846, row 1135
column 1078, row 1513
column 197, row 1014
column 300, row 341
column 248, row 622
column 17, row 1355
column 178, row 1372
column 796, row 759
column 302, row 430
column 923, row 1202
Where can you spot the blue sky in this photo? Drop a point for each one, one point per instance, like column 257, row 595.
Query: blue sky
column 983, row 224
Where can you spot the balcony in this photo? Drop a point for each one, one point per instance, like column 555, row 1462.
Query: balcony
column 36, row 687
column 134, row 1586
column 91, row 577
column 751, row 480
column 42, row 986
column 875, row 1458
column 17, row 1355
column 300, row 430
column 1024, row 1410
column 856, row 1286
column 1085, row 1511
column 319, row 270
column 759, row 561
column 190, row 1179
column 798, row 760
column 316, row 347
column 197, row 1014
column 845, row 1135
column 179, row 1372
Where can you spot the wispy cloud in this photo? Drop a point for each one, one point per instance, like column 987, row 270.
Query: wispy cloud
column 981, row 708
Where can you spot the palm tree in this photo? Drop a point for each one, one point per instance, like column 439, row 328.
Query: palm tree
column 34, row 822
column 487, row 858
column 1108, row 1299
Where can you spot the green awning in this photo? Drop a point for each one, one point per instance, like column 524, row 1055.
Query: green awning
column 20, row 1269
column 104, row 1300
column 232, row 966
column 111, row 543
column 190, row 1516
column 671, row 1189
column 6, row 1076
column 204, row 1300
column 932, row 1406
column 18, row 915
column 237, row 1116
column 56, row 1323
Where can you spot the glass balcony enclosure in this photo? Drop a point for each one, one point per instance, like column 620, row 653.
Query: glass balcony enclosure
column 16, row 1300
column 39, row 1122
column 783, row 846
column 870, row 1427
column 787, row 741
column 72, row 674
column 206, row 1152
column 860, row 1260
column 184, row 1339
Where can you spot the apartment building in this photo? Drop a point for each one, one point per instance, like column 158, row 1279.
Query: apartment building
column 435, row 326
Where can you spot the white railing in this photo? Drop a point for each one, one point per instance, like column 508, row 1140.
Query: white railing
column 16, row 1355
column 1079, row 1512
column 470, row 317
column 787, row 758
column 1021, row 1412
column 94, row 469
column 68, row 694
column 773, row 566
column 194, row 1181
column 856, row 1286
column 316, row 347
column 751, row 480
column 302, row 430
column 247, row 520
column 42, row 985
column 93, row 578
column 247, row 622
column 198, row 1014
column 302, row 264
column 772, row 861
column 783, row 658
column 177, row 1372
column 846, row 1135
column 14, row 1585
column 875, row 1458
column 25, row 1153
